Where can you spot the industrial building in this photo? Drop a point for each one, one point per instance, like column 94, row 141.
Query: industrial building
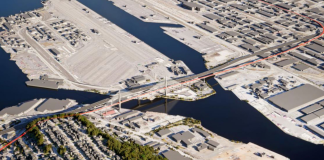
column 42, row 84
column 20, row 109
column 192, row 6
column 173, row 155
column 164, row 132
column 316, row 130
column 53, row 105
column 312, row 108
column 228, row 74
column 300, row 67
column 207, row 28
column 297, row 98
column 285, row 62
column 184, row 137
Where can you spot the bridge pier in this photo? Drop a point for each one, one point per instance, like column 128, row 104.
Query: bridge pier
column 166, row 85
column 166, row 106
column 119, row 98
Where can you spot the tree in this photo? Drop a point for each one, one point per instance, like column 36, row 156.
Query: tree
column 47, row 148
column 40, row 140
column 61, row 150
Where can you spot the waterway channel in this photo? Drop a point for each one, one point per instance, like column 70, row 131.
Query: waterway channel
column 222, row 113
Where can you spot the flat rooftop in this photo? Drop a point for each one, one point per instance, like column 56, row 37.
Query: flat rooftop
column 173, row 155
column 297, row 98
column 311, row 108
column 16, row 110
column 53, row 105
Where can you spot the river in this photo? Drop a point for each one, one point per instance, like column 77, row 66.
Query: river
column 222, row 113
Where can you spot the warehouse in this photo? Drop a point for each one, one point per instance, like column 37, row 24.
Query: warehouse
column 249, row 41
column 227, row 74
column 249, row 47
column 264, row 13
column 23, row 108
column 309, row 118
column 316, row 130
column 164, row 132
column 173, row 155
column 53, row 105
column 285, row 6
column 311, row 108
column 320, row 113
column 297, row 98
column 285, row 62
column 192, row 6
column 212, row 16
column 315, row 47
column 299, row 56
column 207, row 28
column 313, row 61
column 42, row 84
column 300, row 67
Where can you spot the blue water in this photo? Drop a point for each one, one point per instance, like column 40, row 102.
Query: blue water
column 222, row 113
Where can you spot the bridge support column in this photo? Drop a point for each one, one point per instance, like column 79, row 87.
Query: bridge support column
column 119, row 98
column 166, row 105
column 139, row 102
column 166, row 85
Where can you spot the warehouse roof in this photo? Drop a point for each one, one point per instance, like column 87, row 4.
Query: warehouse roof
column 212, row 16
column 284, row 5
column 311, row 108
column 191, row 4
column 301, row 67
column 14, row 110
column 53, row 105
column 316, row 47
column 201, row 132
column 319, row 113
column 183, row 136
column 308, row 118
column 207, row 28
column 316, row 130
column 173, row 155
column 163, row 132
column 212, row 143
column 298, row 55
column 227, row 74
column 285, row 62
column 42, row 84
column 297, row 98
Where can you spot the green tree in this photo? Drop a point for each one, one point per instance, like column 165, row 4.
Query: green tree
column 47, row 148
column 61, row 150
